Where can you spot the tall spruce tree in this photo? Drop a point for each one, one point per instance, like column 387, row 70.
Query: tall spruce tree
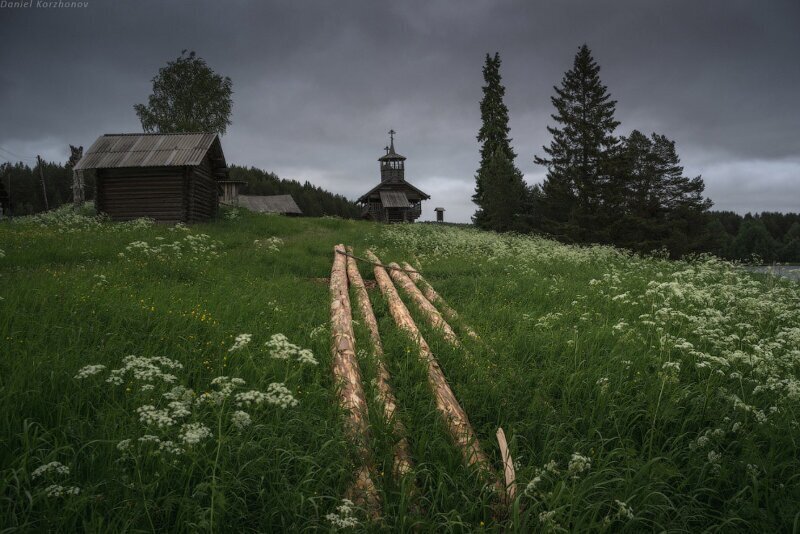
column 649, row 203
column 497, row 156
column 579, row 159
column 503, row 196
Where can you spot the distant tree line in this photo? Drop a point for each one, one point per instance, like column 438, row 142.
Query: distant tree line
column 773, row 237
column 22, row 186
column 629, row 191
column 312, row 200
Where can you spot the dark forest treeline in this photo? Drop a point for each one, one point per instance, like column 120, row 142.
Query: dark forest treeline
column 23, row 185
column 312, row 200
column 773, row 237
column 602, row 187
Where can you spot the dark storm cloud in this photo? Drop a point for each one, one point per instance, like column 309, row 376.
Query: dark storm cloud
column 318, row 84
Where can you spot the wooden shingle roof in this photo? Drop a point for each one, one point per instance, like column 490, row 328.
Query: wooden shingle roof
column 390, row 186
column 151, row 150
column 394, row 199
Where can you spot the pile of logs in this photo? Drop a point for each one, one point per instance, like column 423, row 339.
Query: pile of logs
column 348, row 376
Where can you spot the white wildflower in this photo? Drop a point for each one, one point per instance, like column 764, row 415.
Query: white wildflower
column 625, row 511
column 551, row 467
column 603, row 383
column 56, row 490
column 578, row 464
column 277, row 394
column 179, row 393
column 194, row 433
column 241, row 419
column 170, row 447
column 152, row 416
column 124, row 445
column 89, row 370
column 533, row 484
column 344, row 516
column 281, row 349
column 306, row 356
column 318, row 331
column 180, row 409
column 53, row 467
column 241, row 341
column 145, row 369
column 547, row 517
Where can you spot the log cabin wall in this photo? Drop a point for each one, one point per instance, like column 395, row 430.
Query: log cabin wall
column 203, row 194
column 130, row 193
column 166, row 194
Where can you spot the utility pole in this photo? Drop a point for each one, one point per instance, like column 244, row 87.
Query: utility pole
column 44, row 188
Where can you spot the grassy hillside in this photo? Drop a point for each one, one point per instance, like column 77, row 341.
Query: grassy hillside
column 637, row 394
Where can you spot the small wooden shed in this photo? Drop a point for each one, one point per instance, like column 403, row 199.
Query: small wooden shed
column 283, row 204
column 167, row 177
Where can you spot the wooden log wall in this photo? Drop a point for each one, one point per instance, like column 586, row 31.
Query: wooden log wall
column 166, row 194
column 126, row 194
column 203, row 195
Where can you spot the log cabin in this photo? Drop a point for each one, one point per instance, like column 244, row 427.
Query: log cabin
column 167, row 177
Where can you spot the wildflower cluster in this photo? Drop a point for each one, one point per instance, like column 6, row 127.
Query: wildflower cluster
column 241, row 341
column 50, row 472
column 197, row 247
column 56, row 468
column 578, row 464
column 281, row 349
column 144, row 369
column 271, row 244
column 277, row 394
column 175, row 417
column 344, row 516
column 66, row 219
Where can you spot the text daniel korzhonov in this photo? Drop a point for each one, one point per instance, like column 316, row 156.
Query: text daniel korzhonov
column 42, row 4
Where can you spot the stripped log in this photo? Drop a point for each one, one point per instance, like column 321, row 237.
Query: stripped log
column 402, row 452
column 430, row 312
column 454, row 415
column 348, row 380
column 436, row 299
column 508, row 466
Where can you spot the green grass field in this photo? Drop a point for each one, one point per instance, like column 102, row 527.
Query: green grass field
column 638, row 394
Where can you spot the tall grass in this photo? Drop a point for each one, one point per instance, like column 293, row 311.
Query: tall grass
column 637, row 393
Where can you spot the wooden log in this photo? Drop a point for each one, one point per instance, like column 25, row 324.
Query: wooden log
column 508, row 467
column 428, row 310
column 402, row 452
column 446, row 403
column 348, row 380
column 436, row 299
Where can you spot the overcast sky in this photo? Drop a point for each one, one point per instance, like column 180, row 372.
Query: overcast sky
column 318, row 84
